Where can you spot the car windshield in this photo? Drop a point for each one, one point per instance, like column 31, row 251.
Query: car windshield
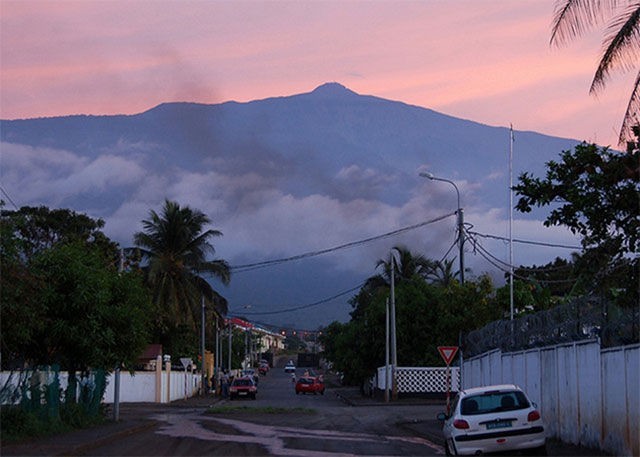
column 305, row 381
column 490, row 402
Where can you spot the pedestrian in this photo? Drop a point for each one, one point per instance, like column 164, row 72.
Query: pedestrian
column 224, row 383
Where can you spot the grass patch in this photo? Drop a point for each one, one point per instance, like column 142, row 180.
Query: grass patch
column 227, row 409
column 19, row 425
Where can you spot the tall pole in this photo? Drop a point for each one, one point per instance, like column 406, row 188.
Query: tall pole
column 216, row 365
column 386, row 352
column 394, row 349
column 230, row 341
column 460, row 214
column 461, row 240
column 116, row 372
column 511, row 222
column 203, row 384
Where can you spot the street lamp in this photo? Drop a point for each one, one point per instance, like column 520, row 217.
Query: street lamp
column 460, row 214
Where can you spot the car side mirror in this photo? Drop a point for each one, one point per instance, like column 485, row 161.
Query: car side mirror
column 442, row 417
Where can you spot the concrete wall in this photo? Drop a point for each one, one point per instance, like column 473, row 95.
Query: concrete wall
column 587, row 395
column 160, row 386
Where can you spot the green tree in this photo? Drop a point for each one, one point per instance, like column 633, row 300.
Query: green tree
column 427, row 315
column 93, row 316
column 594, row 192
column 65, row 293
column 175, row 246
column 621, row 46
column 442, row 273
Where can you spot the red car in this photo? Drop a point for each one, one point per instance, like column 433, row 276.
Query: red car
column 309, row 384
column 243, row 387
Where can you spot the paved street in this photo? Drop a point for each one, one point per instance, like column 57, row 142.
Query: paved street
column 278, row 422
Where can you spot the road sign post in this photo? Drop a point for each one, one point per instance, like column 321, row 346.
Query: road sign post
column 448, row 353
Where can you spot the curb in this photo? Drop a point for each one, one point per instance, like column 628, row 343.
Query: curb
column 425, row 431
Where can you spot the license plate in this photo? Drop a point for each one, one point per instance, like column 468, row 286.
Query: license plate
column 245, row 393
column 498, row 424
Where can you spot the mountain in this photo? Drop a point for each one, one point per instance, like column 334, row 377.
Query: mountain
column 281, row 177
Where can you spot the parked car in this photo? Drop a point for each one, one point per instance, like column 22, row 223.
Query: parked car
column 263, row 369
column 309, row 384
column 251, row 373
column 493, row 419
column 290, row 367
column 243, row 387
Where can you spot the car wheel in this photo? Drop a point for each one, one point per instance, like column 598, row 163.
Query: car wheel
column 297, row 393
column 322, row 392
column 542, row 450
column 253, row 397
column 449, row 450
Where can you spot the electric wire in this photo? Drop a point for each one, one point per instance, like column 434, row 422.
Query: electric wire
column 308, row 305
column 536, row 243
column 6, row 194
column 267, row 263
column 504, row 266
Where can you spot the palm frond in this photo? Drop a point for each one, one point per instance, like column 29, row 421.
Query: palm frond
column 632, row 115
column 572, row 18
column 621, row 47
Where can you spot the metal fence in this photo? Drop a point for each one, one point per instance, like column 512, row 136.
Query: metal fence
column 44, row 392
column 582, row 319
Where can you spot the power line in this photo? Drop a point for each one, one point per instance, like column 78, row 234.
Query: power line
column 309, row 305
column 537, row 243
column 4, row 192
column 504, row 266
column 267, row 263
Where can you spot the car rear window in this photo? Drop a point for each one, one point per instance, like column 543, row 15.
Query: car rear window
column 490, row 402
column 306, row 381
column 242, row 382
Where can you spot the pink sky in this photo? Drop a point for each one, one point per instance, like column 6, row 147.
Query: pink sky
column 484, row 60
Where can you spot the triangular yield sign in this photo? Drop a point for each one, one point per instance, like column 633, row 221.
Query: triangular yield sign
column 448, row 353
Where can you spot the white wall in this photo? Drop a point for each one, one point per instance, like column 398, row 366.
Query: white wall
column 587, row 395
column 140, row 387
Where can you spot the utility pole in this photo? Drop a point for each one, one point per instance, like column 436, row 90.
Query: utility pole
column 394, row 352
column 230, row 341
column 203, row 384
column 116, row 372
column 460, row 214
column 386, row 352
column 461, row 241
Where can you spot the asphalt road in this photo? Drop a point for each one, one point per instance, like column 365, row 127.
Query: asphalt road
column 278, row 422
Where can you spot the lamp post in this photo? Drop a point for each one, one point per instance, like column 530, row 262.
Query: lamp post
column 460, row 214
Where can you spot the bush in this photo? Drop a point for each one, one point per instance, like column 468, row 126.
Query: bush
column 18, row 424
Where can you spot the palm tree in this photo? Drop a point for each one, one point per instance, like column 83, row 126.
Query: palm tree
column 442, row 273
column 406, row 266
column 621, row 45
column 176, row 247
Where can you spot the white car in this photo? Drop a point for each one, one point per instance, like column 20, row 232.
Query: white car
column 493, row 419
column 290, row 368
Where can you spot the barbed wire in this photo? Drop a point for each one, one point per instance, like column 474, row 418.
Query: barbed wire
column 589, row 317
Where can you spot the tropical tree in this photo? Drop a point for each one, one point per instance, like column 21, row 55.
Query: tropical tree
column 175, row 246
column 621, row 45
column 64, row 301
column 442, row 273
column 594, row 192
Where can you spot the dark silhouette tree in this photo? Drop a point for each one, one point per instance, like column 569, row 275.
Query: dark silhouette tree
column 175, row 246
column 621, row 45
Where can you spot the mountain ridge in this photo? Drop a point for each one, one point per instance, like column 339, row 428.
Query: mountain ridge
column 278, row 176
